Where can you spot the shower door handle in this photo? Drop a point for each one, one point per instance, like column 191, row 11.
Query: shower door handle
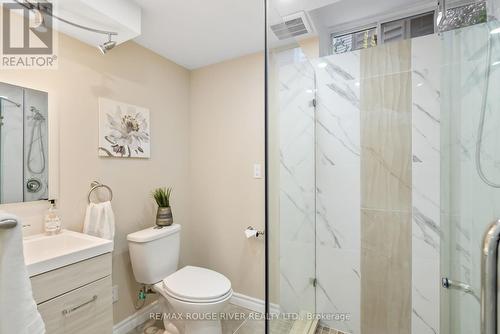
column 489, row 279
column 449, row 284
column 460, row 286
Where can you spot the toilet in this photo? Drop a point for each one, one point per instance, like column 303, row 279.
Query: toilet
column 195, row 293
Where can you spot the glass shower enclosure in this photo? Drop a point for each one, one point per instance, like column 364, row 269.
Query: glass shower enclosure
column 383, row 164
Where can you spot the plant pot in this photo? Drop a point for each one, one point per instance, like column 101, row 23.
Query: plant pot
column 164, row 217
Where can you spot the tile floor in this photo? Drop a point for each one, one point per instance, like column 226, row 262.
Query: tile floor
column 229, row 326
column 236, row 326
column 326, row 330
column 281, row 326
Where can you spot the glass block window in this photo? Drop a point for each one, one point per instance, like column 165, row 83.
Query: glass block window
column 409, row 27
column 362, row 39
column 470, row 13
column 463, row 16
column 422, row 25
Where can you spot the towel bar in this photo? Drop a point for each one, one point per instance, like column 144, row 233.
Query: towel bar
column 7, row 223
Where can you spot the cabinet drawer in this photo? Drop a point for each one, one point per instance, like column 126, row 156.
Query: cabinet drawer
column 56, row 282
column 87, row 310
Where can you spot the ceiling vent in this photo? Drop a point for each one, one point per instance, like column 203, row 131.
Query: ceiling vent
column 294, row 25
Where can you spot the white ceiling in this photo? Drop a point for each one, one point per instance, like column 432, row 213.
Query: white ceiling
column 286, row 7
column 196, row 33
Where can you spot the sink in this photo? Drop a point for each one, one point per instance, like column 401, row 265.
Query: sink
column 44, row 253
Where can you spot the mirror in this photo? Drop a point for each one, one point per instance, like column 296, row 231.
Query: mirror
column 23, row 144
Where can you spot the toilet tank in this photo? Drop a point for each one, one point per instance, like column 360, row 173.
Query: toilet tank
column 154, row 253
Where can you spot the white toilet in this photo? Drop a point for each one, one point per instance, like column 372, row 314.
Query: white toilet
column 195, row 293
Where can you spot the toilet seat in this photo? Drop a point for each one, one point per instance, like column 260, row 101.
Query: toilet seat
column 197, row 301
column 197, row 285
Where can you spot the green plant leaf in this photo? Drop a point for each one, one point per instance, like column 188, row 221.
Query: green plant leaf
column 162, row 196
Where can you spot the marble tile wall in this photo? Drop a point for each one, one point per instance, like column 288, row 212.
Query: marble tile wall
column 338, row 189
column 297, row 182
column 426, row 229
column 386, row 189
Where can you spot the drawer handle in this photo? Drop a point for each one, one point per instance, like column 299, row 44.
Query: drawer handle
column 68, row 311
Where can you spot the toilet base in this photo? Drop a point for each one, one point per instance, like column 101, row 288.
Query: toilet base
column 197, row 325
column 186, row 326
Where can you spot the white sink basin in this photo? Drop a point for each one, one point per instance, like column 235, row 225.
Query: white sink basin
column 44, row 253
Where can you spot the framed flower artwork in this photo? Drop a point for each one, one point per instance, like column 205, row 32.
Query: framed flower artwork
column 124, row 130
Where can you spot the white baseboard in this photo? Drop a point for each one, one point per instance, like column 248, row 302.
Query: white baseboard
column 251, row 303
column 141, row 316
column 136, row 319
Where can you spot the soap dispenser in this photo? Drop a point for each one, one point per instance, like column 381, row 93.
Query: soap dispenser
column 52, row 220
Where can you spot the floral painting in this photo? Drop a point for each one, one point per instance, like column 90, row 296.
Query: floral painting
column 124, row 130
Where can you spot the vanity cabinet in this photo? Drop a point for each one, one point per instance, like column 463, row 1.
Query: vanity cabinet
column 76, row 299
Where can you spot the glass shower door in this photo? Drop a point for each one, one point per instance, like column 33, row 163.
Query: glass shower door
column 470, row 167
column 291, row 168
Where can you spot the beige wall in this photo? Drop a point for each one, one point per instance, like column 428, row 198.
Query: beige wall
column 130, row 74
column 227, row 138
column 310, row 47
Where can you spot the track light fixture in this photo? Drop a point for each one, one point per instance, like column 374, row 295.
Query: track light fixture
column 107, row 46
column 41, row 7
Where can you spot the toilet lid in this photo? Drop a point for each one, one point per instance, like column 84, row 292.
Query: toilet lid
column 195, row 283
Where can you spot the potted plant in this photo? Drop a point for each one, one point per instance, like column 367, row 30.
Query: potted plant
column 164, row 214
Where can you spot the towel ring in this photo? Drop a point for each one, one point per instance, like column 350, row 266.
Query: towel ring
column 96, row 185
